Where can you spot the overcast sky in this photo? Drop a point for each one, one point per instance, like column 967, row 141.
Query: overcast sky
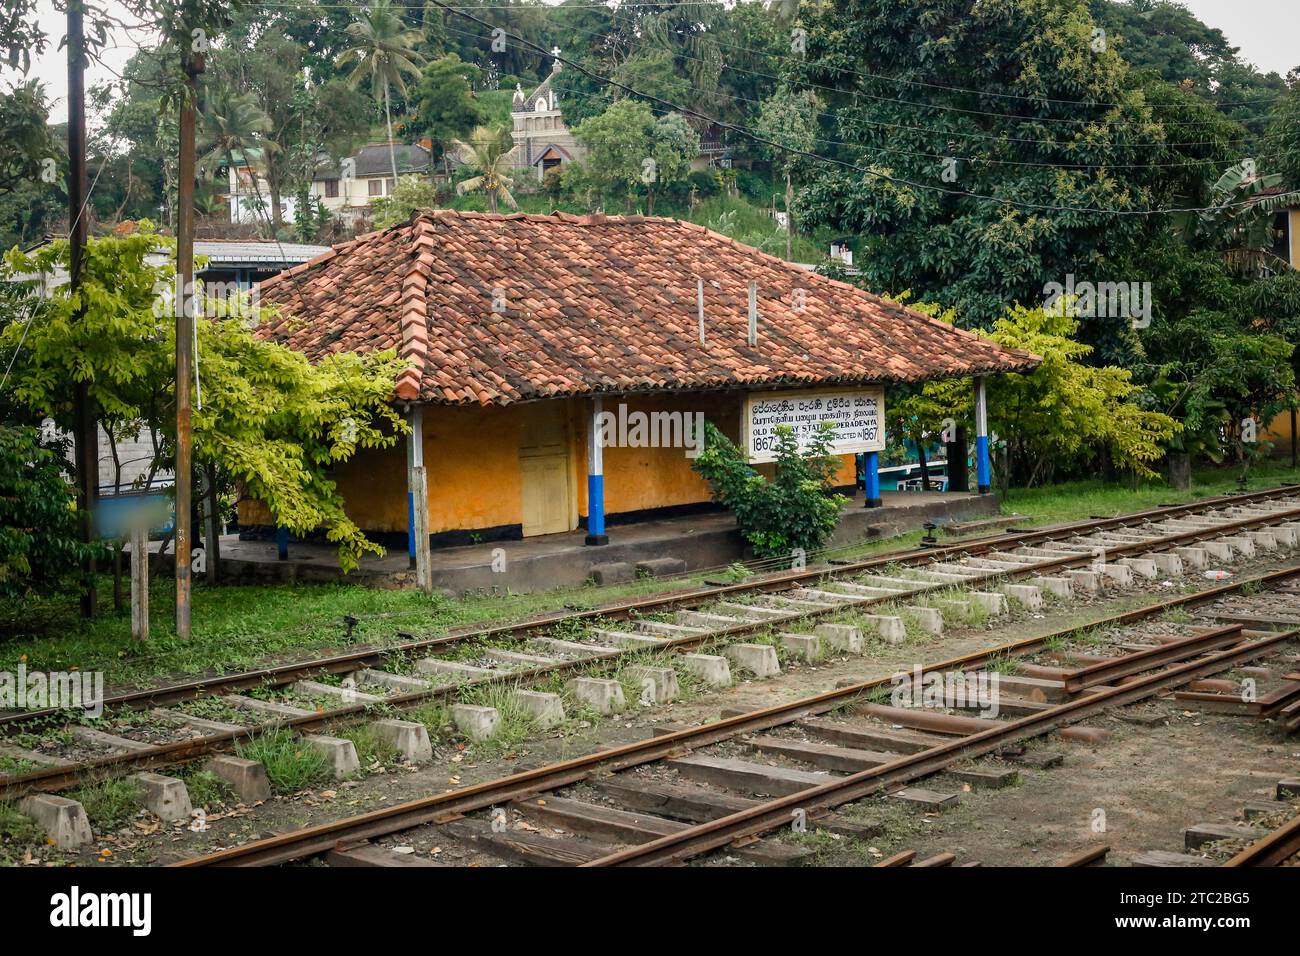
column 1265, row 30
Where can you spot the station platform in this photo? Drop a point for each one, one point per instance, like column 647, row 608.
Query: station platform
column 701, row 541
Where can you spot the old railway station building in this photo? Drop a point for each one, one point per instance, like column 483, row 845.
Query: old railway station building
column 559, row 366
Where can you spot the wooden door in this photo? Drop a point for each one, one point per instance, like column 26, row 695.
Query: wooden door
column 544, row 469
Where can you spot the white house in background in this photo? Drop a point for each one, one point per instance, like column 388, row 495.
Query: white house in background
column 248, row 194
column 348, row 188
column 542, row 141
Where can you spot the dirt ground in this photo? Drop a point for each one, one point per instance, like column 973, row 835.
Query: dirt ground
column 1150, row 781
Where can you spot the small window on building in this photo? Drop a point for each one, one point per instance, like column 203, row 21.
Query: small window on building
column 391, row 184
column 375, row 187
column 331, row 189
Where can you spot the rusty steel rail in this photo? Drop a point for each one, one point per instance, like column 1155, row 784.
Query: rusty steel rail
column 444, row 807
column 701, row 838
column 1274, row 849
column 520, row 630
column 367, row 657
column 56, row 778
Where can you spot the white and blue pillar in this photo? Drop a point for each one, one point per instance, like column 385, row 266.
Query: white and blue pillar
column 417, row 503
column 595, row 478
column 983, row 473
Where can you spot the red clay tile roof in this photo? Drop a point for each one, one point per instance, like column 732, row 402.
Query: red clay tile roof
column 600, row 304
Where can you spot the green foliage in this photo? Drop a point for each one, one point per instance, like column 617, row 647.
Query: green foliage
column 25, row 140
column 291, row 763
column 444, row 98
column 40, row 548
column 795, row 509
column 977, row 255
column 618, row 143
column 628, row 150
column 109, row 803
column 268, row 419
column 410, row 193
column 1065, row 411
column 489, row 152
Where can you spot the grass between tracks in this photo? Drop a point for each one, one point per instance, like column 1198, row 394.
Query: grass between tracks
column 240, row 627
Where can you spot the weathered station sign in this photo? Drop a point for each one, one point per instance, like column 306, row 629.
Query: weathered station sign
column 857, row 414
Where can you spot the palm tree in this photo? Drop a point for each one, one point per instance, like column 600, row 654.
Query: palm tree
column 382, row 49
column 230, row 123
column 492, row 153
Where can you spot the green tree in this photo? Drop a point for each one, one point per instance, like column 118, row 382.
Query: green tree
column 382, row 51
column 1065, row 413
column 653, row 73
column 269, row 421
column 980, row 111
column 231, row 125
column 489, row 152
column 673, row 145
column 410, row 193
column 796, row 509
column 619, row 142
column 445, row 103
column 788, row 117
column 40, row 545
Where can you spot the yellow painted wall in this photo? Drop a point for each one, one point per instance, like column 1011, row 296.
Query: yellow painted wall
column 471, row 457
column 1293, row 236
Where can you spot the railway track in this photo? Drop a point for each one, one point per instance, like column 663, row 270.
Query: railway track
column 920, row 589
column 726, row 787
column 1281, row 847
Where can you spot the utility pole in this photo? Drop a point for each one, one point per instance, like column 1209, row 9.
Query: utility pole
column 192, row 64
column 85, row 427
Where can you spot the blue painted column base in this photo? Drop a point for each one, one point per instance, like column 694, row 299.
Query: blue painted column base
column 983, row 473
column 596, row 510
column 871, row 474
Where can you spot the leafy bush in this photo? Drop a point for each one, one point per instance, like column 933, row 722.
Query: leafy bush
column 40, row 547
column 795, row 510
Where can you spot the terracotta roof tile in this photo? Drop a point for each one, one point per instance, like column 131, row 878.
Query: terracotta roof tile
column 600, row 304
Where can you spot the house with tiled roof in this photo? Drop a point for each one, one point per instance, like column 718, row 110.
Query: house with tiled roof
column 348, row 187
column 538, row 345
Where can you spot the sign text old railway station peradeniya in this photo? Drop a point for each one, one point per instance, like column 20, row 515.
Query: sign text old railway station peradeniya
column 857, row 414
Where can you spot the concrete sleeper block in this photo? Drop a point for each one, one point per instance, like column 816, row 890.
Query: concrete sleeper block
column 340, row 754
column 64, row 821
column 165, row 797
column 711, row 669
column 806, row 646
column 409, row 738
column 1026, row 594
column 606, row 696
column 545, row 710
column 758, row 659
column 612, row 572
column 659, row 684
column 1052, row 585
column 476, row 722
column 1084, row 579
column 661, row 567
column 889, row 627
column 246, row 777
column 990, row 601
column 840, row 637
column 929, row 619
